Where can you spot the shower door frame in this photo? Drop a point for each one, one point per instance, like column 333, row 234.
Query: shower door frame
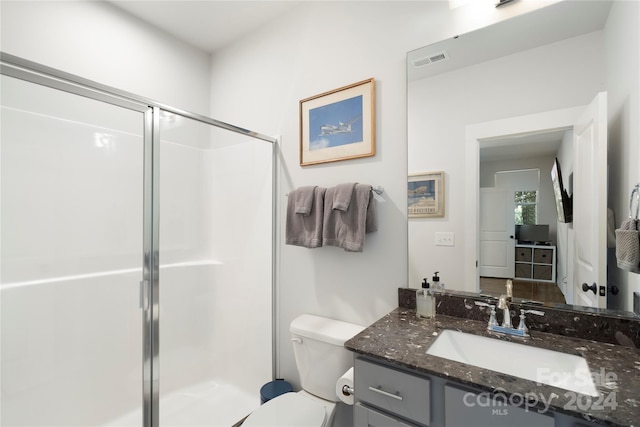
column 20, row 68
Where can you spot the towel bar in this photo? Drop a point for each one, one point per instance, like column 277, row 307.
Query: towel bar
column 378, row 190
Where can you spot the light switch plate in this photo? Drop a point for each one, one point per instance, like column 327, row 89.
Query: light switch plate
column 445, row 239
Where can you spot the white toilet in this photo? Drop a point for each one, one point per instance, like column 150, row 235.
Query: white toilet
column 321, row 359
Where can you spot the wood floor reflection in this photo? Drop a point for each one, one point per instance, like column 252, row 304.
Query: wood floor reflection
column 537, row 291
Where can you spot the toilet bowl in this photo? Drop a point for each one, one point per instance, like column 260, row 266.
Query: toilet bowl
column 293, row 410
column 318, row 346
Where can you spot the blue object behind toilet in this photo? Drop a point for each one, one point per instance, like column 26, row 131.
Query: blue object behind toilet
column 274, row 389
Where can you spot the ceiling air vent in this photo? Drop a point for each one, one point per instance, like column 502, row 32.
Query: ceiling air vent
column 431, row 59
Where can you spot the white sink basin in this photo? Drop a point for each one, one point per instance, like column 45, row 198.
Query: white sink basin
column 566, row 371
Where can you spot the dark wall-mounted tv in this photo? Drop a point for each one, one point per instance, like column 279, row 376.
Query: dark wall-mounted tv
column 564, row 202
column 528, row 233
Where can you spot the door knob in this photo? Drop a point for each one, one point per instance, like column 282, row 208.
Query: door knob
column 587, row 288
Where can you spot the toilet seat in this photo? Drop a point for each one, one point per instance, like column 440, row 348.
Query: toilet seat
column 288, row 410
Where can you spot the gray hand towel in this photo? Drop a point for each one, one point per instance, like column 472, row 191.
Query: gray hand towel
column 347, row 229
column 303, row 198
column 342, row 196
column 305, row 230
column 628, row 246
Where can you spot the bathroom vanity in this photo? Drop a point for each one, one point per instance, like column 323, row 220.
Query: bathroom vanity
column 398, row 384
column 386, row 393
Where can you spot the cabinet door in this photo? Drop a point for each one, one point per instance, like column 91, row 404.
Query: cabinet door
column 523, row 254
column 543, row 256
column 523, row 271
column 471, row 409
column 395, row 391
column 542, row 272
column 367, row 417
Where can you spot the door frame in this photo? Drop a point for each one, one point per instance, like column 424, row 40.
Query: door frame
column 555, row 120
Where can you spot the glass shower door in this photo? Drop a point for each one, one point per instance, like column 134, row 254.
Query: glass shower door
column 71, row 256
column 215, row 287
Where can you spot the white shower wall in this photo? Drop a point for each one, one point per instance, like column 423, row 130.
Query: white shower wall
column 72, row 254
column 215, row 214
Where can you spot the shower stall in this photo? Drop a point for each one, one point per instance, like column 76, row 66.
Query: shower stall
column 136, row 281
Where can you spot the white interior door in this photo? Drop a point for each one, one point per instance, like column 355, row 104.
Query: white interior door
column 590, row 205
column 497, row 240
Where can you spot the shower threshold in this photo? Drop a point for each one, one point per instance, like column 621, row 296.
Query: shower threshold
column 207, row 403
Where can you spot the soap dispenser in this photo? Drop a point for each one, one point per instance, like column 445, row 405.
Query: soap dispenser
column 425, row 302
column 436, row 281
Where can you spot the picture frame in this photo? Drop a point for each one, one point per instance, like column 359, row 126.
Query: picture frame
column 426, row 195
column 338, row 125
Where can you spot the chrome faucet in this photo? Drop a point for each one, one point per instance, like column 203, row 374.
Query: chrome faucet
column 506, row 328
column 503, row 304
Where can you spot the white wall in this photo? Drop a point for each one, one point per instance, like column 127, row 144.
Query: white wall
column 474, row 95
column 261, row 80
column 98, row 41
column 317, row 47
column 622, row 41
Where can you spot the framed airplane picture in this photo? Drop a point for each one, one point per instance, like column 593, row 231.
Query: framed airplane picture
column 338, row 125
column 425, row 195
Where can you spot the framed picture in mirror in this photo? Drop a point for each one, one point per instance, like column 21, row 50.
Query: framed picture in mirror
column 426, row 195
column 338, row 125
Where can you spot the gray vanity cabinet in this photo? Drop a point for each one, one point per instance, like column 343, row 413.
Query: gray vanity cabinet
column 369, row 417
column 390, row 396
column 404, row 394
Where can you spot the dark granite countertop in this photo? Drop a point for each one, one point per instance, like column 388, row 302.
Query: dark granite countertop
column 401, row 339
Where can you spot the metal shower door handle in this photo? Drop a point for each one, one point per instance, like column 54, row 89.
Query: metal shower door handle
column 144, row 295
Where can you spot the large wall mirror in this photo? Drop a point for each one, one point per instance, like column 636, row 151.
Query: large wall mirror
column 515, row 114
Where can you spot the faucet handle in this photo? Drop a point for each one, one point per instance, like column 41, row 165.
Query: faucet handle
column 536, row 312
column 492, row 317
column 522, row 326
column 484, row 304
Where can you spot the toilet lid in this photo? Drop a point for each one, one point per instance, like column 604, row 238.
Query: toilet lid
column 288, row 410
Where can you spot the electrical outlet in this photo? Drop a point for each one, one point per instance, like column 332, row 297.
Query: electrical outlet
column 445, row 239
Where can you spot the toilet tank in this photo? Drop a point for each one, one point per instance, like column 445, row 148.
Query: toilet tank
column 318, row 346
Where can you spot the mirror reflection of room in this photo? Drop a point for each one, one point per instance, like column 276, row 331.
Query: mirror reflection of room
column 545, row 86
column 528, row 216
